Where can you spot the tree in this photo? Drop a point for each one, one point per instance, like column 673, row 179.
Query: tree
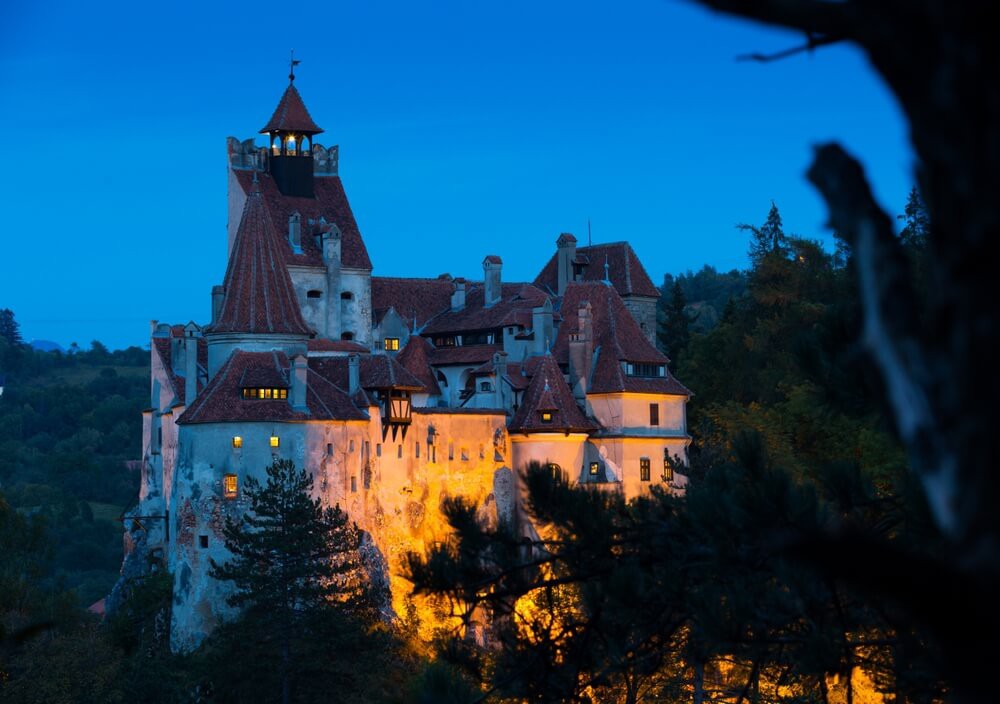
column 9, row 327
column 298, row 582
column 673, row 333
column 768, row 239
column 937, row 356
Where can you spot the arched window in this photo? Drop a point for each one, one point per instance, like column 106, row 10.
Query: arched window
column 347, row 336
column 442, row 379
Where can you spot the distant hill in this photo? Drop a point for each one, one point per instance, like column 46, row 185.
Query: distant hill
column 46, row 346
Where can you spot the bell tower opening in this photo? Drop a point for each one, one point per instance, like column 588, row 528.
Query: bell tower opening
column 290, row 133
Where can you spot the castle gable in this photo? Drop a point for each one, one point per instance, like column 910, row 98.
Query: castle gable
column 625, row 271
column 329, row 204
column 548, row 405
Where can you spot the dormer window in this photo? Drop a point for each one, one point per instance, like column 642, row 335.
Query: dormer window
column 645, row 369
column 391, row 344
column 264, row 393
column 546, row 416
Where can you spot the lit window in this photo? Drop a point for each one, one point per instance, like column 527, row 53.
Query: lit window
column 553, row 467
column 654, row 414
column 229, row 485
column 237, row 441
column 264, row 393
column 593, row 469
column 275, row 441
column 644, row 469
column 546, row 416
column 668, row 466
column 391, row 344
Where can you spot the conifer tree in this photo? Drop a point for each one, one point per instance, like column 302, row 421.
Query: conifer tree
column 768, row 238
column 296, row 570
column 673, row 333
column 10, row 329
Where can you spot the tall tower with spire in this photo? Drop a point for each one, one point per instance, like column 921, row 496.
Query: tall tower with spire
column 291, row 130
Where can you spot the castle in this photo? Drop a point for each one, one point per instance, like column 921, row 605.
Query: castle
column 392, row 392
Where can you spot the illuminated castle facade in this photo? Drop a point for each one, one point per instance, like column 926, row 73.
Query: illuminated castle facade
column 392, row 392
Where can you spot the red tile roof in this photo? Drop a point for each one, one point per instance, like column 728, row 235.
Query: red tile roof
column 617, row 339
column 222, row 400
column 259, row 295
column 321, row 345
column 473, row 354
column 624, row 269
column 412, row 298
column 415, row 357
column 548, row 392
column 162, row 345
column 377, row 371
column 329, row 203
column 513, row 308
column 291, row 115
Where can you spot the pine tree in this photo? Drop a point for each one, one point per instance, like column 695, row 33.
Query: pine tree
column 9, row 327
column 673, row 334
column 916, row 227
column 767, row 239
column 296, row 570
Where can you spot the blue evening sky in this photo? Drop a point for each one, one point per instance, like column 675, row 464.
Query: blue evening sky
column 465, row 129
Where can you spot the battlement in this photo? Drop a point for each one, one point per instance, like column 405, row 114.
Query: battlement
column 249, row 155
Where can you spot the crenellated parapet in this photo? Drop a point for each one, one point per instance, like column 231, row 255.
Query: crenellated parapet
column 249, row 155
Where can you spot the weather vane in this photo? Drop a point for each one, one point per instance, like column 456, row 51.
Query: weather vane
column 292, row 63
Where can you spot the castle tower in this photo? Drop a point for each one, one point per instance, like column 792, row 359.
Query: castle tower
column 291, row 130
column 259, row 310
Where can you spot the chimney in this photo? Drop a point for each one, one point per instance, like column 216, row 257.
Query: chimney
column 300, row 368
column 331, row 256
column 353, row 374
column 190, row 363
column 218, row 296
column 541, row 326
column 295, row 232
column 500, row 369
column 491, row 274
column 458, row 296
column 581, row 351
column 565, row 254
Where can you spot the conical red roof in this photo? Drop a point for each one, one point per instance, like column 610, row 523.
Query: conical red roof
column 291, row 115
column 548, row 392
column 259, row 294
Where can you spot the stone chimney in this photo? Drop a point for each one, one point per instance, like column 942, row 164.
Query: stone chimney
column 565, row 254
column 458, row 295
column 500, row 369
column 191, row 334
column 541, row 326
column 300, row 369
column 218, row 296
column 331, row 257
column 353, row 374
column 581, row 351
column 295, row 232
column 493, row 291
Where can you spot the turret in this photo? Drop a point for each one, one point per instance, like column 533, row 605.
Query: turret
column 290, row 133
